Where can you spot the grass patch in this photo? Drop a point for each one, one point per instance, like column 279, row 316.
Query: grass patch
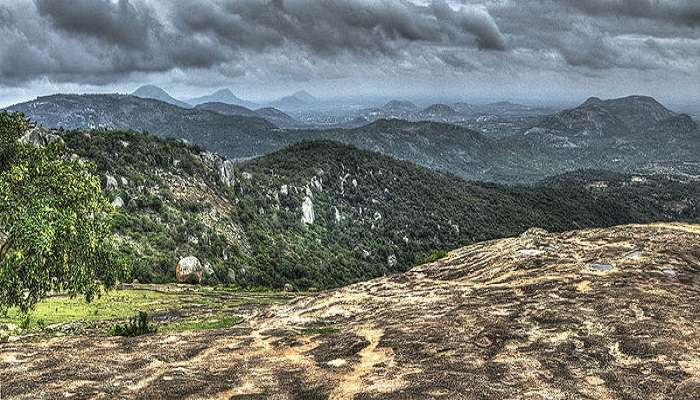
column 320, row 331
column 211, row 306
column 203, row 325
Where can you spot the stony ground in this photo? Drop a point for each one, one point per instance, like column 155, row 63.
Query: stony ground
column 596, row 314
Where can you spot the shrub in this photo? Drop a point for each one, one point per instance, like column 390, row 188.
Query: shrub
column 430, row 257
column 137, row 326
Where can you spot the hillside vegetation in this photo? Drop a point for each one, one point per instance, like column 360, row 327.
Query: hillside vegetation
column 321, row 214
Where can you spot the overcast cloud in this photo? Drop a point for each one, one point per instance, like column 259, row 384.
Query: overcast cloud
column 262, row 48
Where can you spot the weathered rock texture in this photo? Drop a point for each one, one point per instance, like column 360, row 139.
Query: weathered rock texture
column 530, row 317
column 189, row 270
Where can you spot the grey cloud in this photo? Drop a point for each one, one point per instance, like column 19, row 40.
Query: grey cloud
column 120, row 23
column 280, row 42
column 685, row 12
column 97, row 41
column 331, row 27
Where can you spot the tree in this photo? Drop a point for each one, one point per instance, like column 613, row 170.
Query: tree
column 55, row 225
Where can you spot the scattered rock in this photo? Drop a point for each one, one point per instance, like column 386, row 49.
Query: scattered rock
column 231, row 275
column 208, row 270
column 284, row 190
column 316, row 183
column 307, row 210
column 531, row 252
column 189, row 270
column 118, row 202
column 337, row 363
column 602, row 267
column 670, row 272
column 110, row 183
column 338, row 217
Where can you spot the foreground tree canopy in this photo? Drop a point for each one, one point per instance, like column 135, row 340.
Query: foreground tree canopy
column 54, row 222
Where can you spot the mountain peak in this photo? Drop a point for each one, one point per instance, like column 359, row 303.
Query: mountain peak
column 157, row 93
column 223, row 92
column 592, row 101
column 304, row 96
column 225, row 96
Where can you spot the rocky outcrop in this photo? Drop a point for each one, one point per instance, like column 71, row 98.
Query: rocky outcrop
column 222, row 167
column 226, row 174
column 189, row 270
column 39, row 136
column 308, row 215
column 489, row 321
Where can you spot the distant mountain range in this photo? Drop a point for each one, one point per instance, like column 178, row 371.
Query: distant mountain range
column 450, row 113
column 208, row 129
column 628, row 134
column 296, row 101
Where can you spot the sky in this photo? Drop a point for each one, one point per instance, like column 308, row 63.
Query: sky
column 539, row 50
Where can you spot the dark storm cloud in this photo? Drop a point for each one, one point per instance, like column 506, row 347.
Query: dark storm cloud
column 330, row 27
column 213, row 42
column 119, row 23
column 685, row 12
column 98, row 41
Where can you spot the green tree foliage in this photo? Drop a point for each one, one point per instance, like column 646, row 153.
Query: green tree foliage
column 55, row 225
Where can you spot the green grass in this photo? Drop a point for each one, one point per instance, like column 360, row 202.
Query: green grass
column 220, row 322
column 118, row 304
column 212, row 308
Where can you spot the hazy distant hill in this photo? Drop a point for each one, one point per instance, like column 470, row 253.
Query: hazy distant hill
column 277, row 117
column 296, row 101
column 222, row 96
column 235, row 136
column 632, row 134
column 156, row 93
column 633, row 115
column 227, row 109
column 273, row 115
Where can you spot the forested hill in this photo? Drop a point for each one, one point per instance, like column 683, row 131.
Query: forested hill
column 322, row 214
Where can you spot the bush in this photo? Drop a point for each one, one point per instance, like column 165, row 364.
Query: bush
column 430, row 257
column 137, row 326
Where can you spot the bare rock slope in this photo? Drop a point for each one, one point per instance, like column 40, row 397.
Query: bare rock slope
column 596, row 314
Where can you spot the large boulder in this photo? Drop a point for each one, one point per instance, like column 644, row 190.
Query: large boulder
column 189, row 270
